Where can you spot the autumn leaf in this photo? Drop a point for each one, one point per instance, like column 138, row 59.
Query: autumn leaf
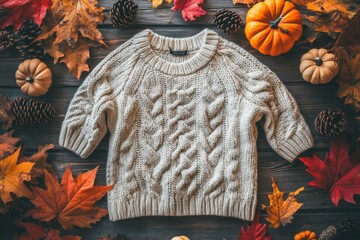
column 280, row 211
column 20, row 11
column 349, row 77
column 255, row 231
column 336, row 173
column 70, row 30
column 71, row 201
column 7, row 144
column 12, row 176
column 37, row 232
column 190, row 9
column 6, row 116
column 330, row 17
column 249, row 3
column 349, row 38
column 156, row 3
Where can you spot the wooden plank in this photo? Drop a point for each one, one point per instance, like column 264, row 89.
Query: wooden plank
column 311, row 100
column 288, row 176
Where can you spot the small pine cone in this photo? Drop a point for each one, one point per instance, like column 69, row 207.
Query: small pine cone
column 30, row 112
column 229, row 21
column 331, row 122
column 6, row 40
column 123, row 12
column 24, row 40
column 328, row 234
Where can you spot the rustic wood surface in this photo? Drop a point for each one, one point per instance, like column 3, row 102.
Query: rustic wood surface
column 316, row 214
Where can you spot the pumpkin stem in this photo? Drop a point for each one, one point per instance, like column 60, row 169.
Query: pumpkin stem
column 29, row 79
column 318, row 61
column 274, row 24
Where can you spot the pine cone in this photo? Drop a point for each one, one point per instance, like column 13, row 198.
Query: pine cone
column 6, row 40
column 330, row 122
column 329, row 233
column 123, row 12
column 24, row 40
column 229, row 21
column 30, row 112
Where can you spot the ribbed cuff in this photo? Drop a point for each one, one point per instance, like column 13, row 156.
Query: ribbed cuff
column 299, row 142
column 75, row 141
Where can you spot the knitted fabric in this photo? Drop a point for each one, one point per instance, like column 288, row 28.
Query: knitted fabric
column 182, row 128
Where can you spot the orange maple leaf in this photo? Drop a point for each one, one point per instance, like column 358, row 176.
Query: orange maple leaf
column 12, row 176
column 70, row 30
column 7, row 144
column 156, row 3
column 280, row 211
column 71, row 201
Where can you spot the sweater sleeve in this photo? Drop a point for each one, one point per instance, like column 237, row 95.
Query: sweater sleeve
column 277, row 111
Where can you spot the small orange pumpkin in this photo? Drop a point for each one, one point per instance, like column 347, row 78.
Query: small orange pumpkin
column 318, row 66
column 33, row 77
column 180, row 238
column 305, row 235
column 273, row 26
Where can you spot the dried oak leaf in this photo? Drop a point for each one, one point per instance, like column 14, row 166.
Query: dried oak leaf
column 7, row 144
column 71, row 201
column 39, row 158
column 19, row 11
column 156, row 3
column 349, row 78
column 12, row 176
column 249, row 3
column 6, row 116
column 255, row 231
column 349, row 38
column 70, row 30
column 331, row 16
column 336, row 173
column 280, row 211
column 37, row 232
column 190, row 9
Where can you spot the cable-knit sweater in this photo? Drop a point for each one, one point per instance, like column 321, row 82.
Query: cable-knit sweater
column 182, row 114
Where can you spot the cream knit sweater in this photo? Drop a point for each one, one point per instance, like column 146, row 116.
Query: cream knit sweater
column 182, row 127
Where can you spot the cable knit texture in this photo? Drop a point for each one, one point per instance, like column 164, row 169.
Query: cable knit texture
column 183, row 127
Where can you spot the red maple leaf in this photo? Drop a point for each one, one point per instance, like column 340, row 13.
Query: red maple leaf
column 190, row 9
column 21, row 10
column 255, row 231
column 336, row 173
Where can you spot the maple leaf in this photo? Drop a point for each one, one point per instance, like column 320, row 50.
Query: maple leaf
column 6, row 116
column 190, row 9
column 12, row 176
column 71, row 201
column 349, row 77
column 249, row 3
column 255, row 231
column 70, row 30
column 336, row 173
column 39, row 158
column 349, row 38
column 280, row 211
column 7, row 144
column 156, row 3
column 37, row 232
column 20, row 11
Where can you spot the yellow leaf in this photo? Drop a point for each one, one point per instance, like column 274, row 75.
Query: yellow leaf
column 249, row 3
column 280, row 211
column 156, row 3
column 12, row 176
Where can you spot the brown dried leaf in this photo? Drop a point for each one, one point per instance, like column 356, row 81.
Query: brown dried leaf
column 6, row 117
column 249, row 3
column 7, row 144
column 349, row 38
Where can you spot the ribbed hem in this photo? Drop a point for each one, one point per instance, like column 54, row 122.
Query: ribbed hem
column 139, row 206
column 205, row 43
column 75, row 141
column 296, row 144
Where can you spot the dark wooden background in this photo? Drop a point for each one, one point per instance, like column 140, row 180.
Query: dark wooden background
column 317, row 213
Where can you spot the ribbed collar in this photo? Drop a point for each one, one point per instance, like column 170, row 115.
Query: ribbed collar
column 205, row 43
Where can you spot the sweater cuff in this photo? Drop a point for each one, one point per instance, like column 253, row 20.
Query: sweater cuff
column 75, row 141
column 298, row 143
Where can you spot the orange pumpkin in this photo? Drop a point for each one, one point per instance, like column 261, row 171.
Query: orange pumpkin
column 305, row 235
column 273, row 26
